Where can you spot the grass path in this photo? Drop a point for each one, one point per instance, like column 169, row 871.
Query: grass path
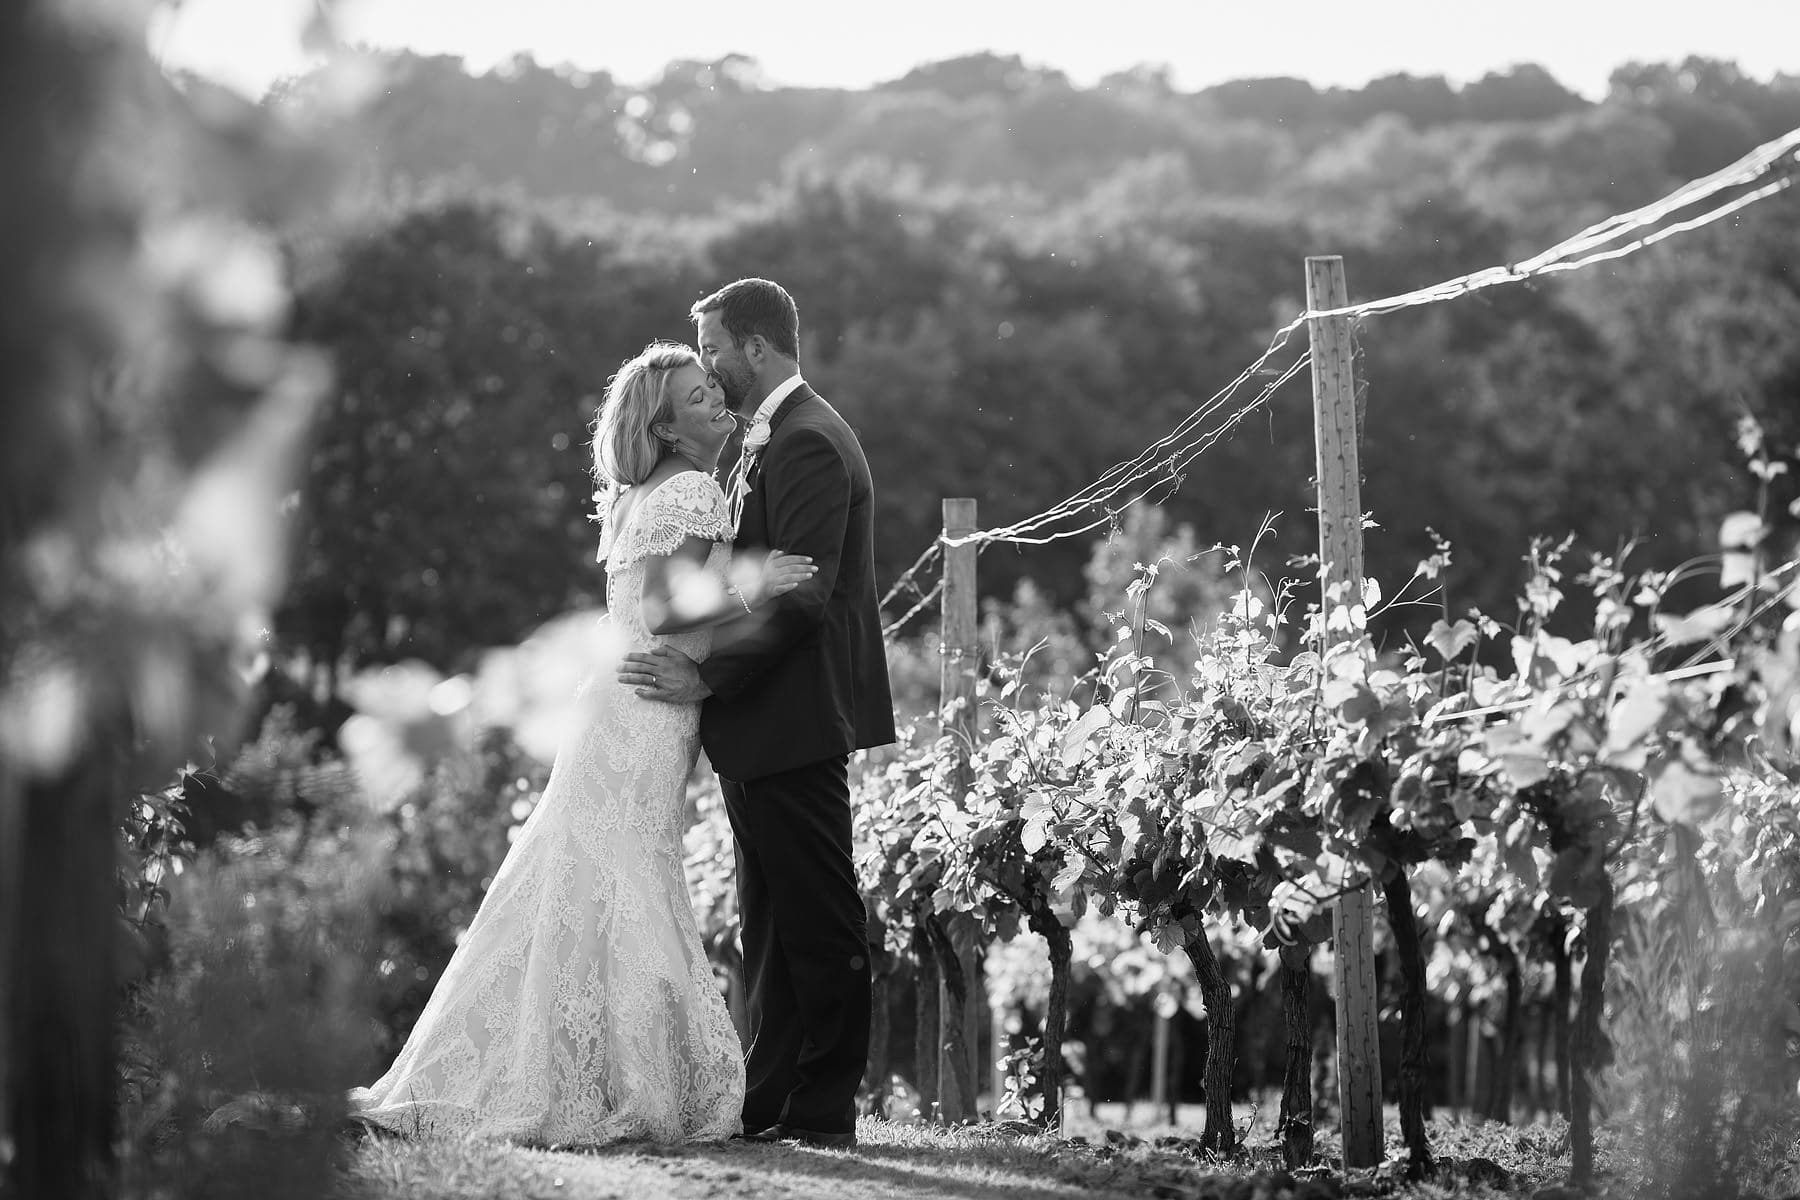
column 904, row 1162
column 893, row 1161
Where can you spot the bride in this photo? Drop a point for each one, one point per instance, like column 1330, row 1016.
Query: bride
column 580, row 1007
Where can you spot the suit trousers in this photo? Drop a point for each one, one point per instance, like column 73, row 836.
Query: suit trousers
column 806, row 950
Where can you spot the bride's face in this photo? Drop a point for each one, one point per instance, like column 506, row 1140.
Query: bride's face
column 700, row 419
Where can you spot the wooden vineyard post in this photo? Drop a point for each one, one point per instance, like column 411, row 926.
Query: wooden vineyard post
column 959, row 1016
column 1341, row 569
column 997, row 1040
column 1159, row 1062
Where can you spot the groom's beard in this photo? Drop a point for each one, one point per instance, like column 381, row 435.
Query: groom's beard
column 737, row 390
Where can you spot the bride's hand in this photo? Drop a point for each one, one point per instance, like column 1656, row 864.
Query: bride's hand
column 779, row 574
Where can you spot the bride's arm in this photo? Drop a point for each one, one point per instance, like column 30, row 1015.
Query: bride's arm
column 679, row 595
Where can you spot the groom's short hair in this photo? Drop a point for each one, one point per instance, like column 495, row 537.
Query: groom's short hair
column 752, row 306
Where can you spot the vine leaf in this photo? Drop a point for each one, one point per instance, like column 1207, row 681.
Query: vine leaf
column 1737, row 568
column 1705, row 622
column 1074, row 741
column 1067, row 878
column 1523, row 763
column 1741, row 531
column 1035, row 834
column 1451, row 640
column 1682, row 795
column 1634, row 718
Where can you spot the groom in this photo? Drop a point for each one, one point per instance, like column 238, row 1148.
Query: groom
column 789, row 694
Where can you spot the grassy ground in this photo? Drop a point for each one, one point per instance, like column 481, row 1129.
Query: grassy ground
column 982, row 1163
column 892, row 1161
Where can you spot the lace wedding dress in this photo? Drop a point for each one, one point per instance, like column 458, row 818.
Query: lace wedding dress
column 580, row 1007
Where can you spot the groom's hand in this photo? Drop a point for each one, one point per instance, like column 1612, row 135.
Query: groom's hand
column 664, row 674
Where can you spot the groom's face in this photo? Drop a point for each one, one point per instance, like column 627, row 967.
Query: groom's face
column 725, row 359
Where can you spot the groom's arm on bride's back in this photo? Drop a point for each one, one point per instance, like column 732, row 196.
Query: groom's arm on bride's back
column 807, row 491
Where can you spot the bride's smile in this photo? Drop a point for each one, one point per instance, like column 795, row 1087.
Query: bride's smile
column 700, row 419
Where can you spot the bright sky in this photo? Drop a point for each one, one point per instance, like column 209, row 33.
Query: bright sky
column 251, row 43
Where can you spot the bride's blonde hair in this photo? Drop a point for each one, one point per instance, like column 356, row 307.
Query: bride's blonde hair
column 626, row 448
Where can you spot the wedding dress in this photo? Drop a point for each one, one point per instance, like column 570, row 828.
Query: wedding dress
column 580, row 1007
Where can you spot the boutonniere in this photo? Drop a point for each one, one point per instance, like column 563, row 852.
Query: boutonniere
column 738, row 490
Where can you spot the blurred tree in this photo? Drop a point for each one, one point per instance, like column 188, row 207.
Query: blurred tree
column 447, row 499
column 984, row 74
column 1423, row 100
column 1546, row 180
column 1274, row 101
column 1525, row 92
column 1714, row 114
column 709, row 134
column 729, row 131
column 848, row 248
column 1066, row 136
column 1145, row 83
column 1386, row 159
column 1238, row 158
column 1700, row 332
column 897, row 382
column 555, row 132
column 925, row 133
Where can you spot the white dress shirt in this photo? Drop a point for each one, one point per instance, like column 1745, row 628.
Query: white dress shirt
column 766, row 410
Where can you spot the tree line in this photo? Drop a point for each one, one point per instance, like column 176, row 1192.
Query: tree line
column 1010, row 339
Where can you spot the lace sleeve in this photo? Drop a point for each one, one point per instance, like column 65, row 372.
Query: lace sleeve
column 687, row 505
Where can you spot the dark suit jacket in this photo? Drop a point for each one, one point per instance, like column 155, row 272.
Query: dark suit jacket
column 805, row 678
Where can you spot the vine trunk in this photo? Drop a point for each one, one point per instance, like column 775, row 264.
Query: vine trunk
column 875, row 1069
column 1415, row 1058
column 1561, row 994
column 1512, row 1039
column 956, row 1087
column 1056, row 1012
column 1220, row 1135
column 1590, row 1049
column 1296, row 1124
column 925, row 1018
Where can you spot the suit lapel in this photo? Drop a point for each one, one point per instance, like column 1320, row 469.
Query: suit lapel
column 794, row 399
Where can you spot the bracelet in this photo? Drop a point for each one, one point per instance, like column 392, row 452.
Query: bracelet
column 734, row 590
